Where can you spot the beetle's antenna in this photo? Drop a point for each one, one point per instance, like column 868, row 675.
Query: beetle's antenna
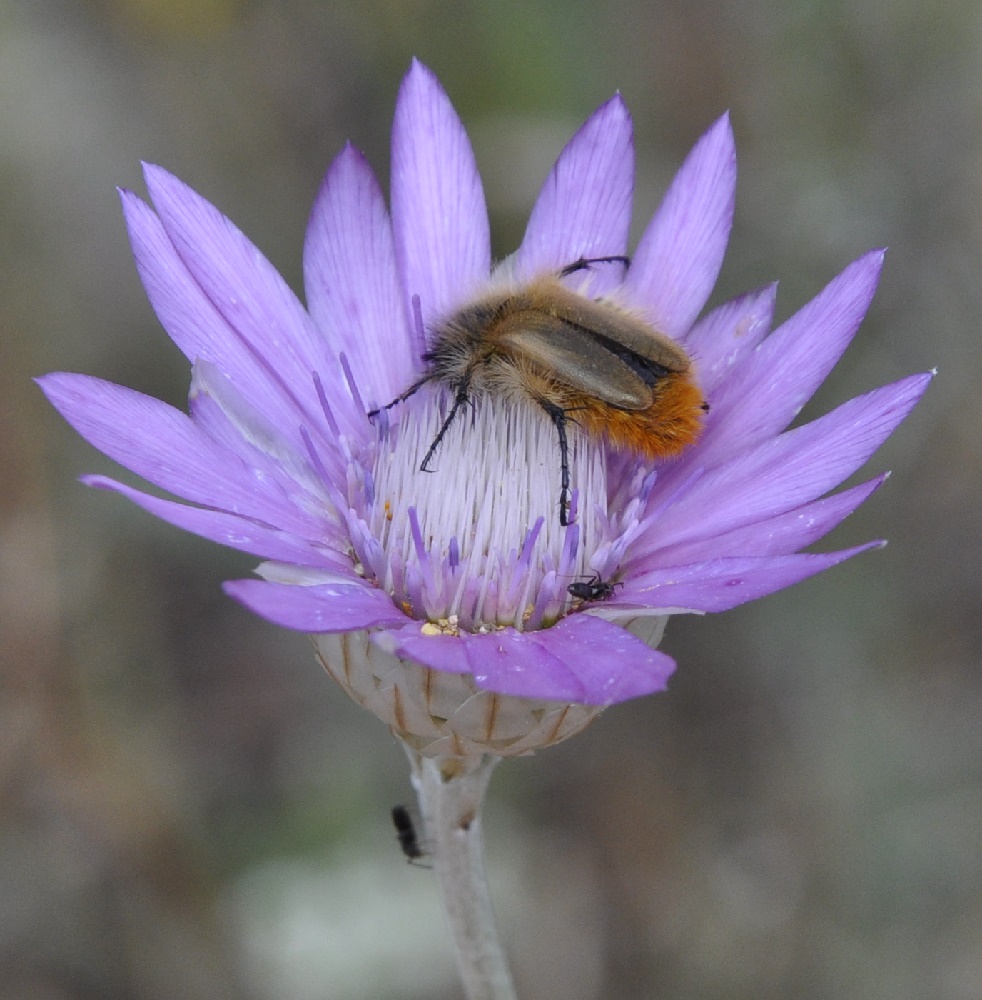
column 402, row 397
column 583, row 263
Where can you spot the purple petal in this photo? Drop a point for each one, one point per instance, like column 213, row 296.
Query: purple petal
column 582, row 659
column 781, row 535
column 440, row 221
column 784, row 472
column 722, row 584
column 196, row 326
column 610, row 663
column 584, row 208
column 233, row 530
column 773, row 383
column 321, row 608
column 721, row 339
column 508, row 663
column 352, row 284
column 439, row 652
column 254, row 300
column 681, row 251
column 163, row 445
column 187, row 314
column 232, row 422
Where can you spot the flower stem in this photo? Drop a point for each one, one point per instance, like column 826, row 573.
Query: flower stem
column 451, row 791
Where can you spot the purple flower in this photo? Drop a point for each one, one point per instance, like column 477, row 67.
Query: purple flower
column 461, row 576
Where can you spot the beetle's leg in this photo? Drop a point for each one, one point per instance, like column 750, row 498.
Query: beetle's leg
column 461, row 399
column 558, row 417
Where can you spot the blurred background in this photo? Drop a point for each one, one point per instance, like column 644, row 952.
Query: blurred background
column 189, row 808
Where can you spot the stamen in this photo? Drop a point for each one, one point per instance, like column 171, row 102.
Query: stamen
column 340, row 504
column 418, row 331
column 421, row 553
column 382, row 424
column 325, row 405
column 548, row 606
column 530, row 540
column 571, row 544
column 413, row 585
column 352, row 385
column 647, row 485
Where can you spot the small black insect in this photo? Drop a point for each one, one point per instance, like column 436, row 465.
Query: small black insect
column 406, row 833
column 593, row 589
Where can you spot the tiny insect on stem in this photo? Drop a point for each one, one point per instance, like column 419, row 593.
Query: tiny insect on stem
column 406, row 835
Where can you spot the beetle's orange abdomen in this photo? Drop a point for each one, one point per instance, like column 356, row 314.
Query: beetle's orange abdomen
column 672, row 422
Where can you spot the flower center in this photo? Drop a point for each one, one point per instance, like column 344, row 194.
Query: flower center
column 476, row 541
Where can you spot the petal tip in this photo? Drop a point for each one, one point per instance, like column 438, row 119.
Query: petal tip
column 873, row 261
column 159, row 180
column 721, row 132
column 54, row 384
column 616, row 107
column 419, row 75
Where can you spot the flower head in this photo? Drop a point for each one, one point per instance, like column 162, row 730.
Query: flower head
column 441, row 599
